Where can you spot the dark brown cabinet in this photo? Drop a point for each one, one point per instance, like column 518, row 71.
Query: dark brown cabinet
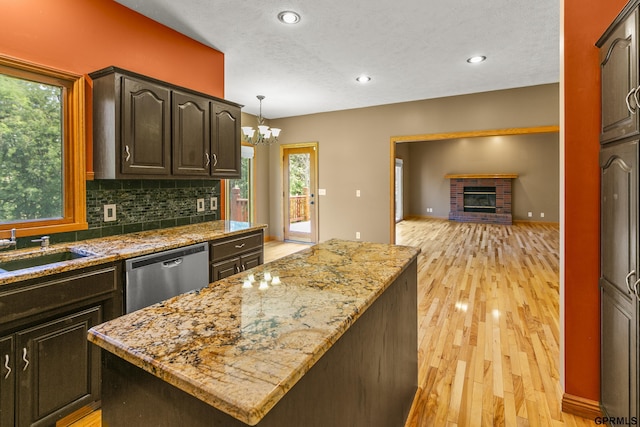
column 619, row 280
column 144, row 128
column 235, row 254
column 619, row 80
column 225, row 130
column 619, row 276
column 48, row 369
column 191, row 135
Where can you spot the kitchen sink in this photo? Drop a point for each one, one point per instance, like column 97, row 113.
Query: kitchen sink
column 38, row 260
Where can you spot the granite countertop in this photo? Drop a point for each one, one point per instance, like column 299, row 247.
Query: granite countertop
column 114, row 248
column 239, row 346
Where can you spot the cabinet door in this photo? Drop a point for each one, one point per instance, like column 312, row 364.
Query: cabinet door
column 7, row 381
column 619, row 81
column 191, row 135
column 58, row 369
column 225, row 140
column 146, row 128
column 222, row 269
column 250, row 260
column 619, row 291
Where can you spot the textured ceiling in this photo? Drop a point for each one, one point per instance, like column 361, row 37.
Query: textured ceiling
column 412, row 49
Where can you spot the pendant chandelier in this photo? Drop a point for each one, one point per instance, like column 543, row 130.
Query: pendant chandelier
column 265, row 135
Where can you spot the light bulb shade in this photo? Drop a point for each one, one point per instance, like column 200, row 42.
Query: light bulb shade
column 248, row 131
column 267, row 133
column 275, row 132
column 263, row 129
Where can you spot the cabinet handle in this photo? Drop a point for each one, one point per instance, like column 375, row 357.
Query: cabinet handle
column 128, row 153
column 635, row 288
column 208, row 160
column 24, row 358
column 635, row 97
column 244, row 267
column 240, row 246
column 626, row 280
column 631, row 92
column 215, row 159
column 237, row 269
column 6, row 365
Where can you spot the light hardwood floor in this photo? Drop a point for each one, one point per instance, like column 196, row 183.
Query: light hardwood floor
column 488, row 324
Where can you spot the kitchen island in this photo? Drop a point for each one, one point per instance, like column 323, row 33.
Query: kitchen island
column 331, row 342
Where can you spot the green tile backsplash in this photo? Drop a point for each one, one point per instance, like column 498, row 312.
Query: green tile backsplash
column 141, row 205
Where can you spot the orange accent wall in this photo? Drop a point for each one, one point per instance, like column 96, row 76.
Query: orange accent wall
column 82, row 36
column 584, row 21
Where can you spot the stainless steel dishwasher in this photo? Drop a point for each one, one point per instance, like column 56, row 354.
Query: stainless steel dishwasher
column 156, row 277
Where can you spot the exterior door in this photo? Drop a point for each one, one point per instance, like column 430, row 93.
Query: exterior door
column 300, row 206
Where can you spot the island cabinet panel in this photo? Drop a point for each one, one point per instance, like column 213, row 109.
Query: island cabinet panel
column 7, row 380
column 368, row 378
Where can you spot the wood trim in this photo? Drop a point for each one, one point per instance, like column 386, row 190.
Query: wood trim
column 481, row 175
column 440, row 136
column 475, row 134
column 75, row 172
column 585, row 408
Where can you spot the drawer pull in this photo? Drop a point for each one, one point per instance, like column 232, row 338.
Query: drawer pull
column 240, row 246
column 6, row 365
column 24, row 358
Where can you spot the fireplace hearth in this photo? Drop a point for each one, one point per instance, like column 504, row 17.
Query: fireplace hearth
column 482, row 198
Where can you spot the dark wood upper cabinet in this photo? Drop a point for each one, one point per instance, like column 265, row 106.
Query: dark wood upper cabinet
column 191, row 135
column 225, row 130
column 144, row 128
column 619, row 80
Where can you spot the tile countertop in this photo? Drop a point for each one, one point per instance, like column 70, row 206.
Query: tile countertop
column 240, row 348
column 113, row 248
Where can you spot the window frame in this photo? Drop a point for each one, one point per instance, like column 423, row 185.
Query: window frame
column 73, row 149
column 226, row 191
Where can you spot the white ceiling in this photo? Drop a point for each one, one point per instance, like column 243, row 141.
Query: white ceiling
column 412, row 49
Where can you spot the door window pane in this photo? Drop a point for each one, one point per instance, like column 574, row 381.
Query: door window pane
column 31, row 141
column 239, row 206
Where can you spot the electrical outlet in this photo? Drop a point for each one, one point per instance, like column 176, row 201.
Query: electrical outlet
column 357, row 193
column 357, row 234
column 214, row 203
column 529, row 214
column 200, row 205
column 322, row 191
column 109, row 213
column 541, row 214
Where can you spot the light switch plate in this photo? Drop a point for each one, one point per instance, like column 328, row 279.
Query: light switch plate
column 322, row 192
column 200, row 205
column 214, row 203
column 109, row 213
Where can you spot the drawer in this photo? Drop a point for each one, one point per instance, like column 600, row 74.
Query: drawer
column 37, row 297
column 224, row 248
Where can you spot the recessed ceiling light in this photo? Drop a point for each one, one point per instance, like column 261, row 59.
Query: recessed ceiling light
column 288, row 17
column 363, row 79
column 476, row 59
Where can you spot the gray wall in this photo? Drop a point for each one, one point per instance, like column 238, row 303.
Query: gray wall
column 535, row 158
column 354, row 151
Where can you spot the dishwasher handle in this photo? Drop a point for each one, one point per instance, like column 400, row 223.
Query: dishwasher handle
column 173, row 263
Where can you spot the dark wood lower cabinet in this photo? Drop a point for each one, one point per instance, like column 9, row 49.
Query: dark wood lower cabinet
column 48, row 369
column 235, row 254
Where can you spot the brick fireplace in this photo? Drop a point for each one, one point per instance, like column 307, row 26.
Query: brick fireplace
column 483, row 198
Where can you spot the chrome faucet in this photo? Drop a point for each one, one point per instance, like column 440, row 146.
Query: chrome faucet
column 6, row 243
column 44, row 242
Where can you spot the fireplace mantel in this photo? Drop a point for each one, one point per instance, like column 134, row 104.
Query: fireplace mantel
column 480, row 175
